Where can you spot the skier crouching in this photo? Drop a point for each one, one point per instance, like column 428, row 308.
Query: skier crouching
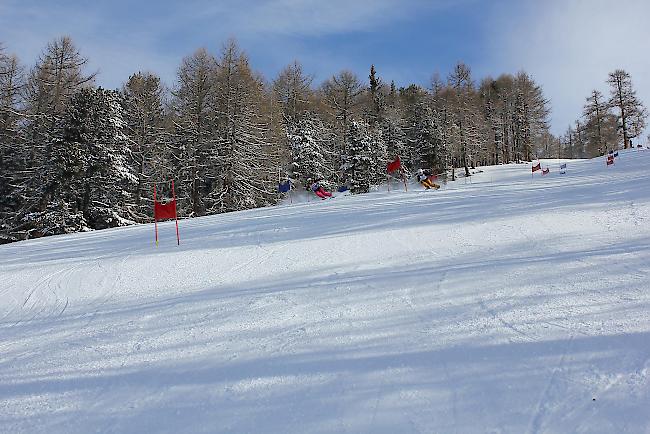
column 320, row 191
column 426, row 180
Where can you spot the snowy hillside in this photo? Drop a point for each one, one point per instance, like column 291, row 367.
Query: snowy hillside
column 500, row 305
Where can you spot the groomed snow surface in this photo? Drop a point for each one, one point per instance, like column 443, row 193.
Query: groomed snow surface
column 500, row 305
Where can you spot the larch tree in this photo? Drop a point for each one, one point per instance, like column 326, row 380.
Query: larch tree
column 631, row 112
column 493, row 114
column 194, row 134
column 599, row 125
column 245, row 140
column 11, row 87
column 292, row 97
column 466, row 126
column 143, row 101
column 343, row 94
column 571, row 149
column 505, row 85
column 292, row 89
column 58, row 74
column 577, row 140
column 531, row 114
column 12, row 158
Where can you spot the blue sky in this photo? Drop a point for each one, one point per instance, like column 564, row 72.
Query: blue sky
column 568, row 46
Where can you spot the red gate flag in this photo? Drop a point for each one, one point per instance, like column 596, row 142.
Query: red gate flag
column 538, row 167
column 395, row 165
column 164, row 211
column 545, row 171
column 610, row 160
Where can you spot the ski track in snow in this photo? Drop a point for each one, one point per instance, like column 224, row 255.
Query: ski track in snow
column 497, row 304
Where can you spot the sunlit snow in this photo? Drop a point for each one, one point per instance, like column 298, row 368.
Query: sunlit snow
column 508, row 304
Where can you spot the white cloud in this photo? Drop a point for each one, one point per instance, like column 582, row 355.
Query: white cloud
column 570, row 46
column 312, row 17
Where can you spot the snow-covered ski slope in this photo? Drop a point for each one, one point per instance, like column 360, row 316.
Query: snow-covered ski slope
column 503, row 305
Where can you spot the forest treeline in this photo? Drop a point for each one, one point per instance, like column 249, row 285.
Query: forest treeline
column 74, row 156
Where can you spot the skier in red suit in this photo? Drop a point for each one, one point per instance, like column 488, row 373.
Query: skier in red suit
column 320, row 191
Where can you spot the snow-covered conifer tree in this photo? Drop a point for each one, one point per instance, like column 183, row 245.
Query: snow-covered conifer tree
column 306, row 138
column 357, row 161
column 429, row 139
column 145, row 120
column 87, row 180
column 379, row 154
column 411, row 98
column 393, row 136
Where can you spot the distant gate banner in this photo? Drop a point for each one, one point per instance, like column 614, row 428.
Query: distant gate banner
column 284, row 187
column 395, row 165
column 163, row 211
column 538, row 167
column 546, row 171
column 610, row 160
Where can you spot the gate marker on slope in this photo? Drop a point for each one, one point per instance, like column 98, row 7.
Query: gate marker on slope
column 162, row 211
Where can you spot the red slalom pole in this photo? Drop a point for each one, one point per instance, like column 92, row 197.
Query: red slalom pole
column 178, row 238
column 154, row 214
